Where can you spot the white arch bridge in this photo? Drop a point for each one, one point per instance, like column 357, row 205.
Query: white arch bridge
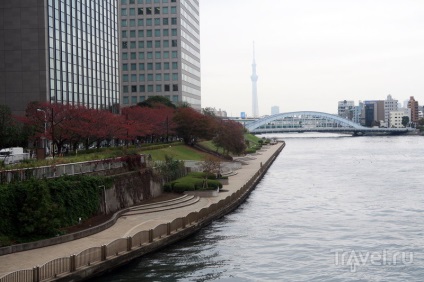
column 309, row 121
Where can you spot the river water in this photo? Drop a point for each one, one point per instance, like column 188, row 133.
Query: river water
column 331, row 208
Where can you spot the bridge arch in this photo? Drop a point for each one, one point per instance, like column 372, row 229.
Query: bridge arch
column 337, row 121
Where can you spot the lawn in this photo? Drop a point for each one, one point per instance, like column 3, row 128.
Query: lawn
column 177, row 152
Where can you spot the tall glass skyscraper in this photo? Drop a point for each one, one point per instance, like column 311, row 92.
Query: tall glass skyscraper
column 160, row 51
column 63, row 51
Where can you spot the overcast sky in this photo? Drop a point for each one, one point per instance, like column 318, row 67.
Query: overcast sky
column 310, row 54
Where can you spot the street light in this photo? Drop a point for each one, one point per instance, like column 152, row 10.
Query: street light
column 45, row 130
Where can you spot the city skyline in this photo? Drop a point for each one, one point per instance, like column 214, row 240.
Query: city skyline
column 311, row 55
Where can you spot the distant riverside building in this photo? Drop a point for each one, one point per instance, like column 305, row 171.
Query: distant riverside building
column 275, row 110
column 413, row 105
column 160, row 51
column 345, row 109
column 357, row 113
column 390, row 105
column 59, row 51
column 374, row 112
column 395, row 117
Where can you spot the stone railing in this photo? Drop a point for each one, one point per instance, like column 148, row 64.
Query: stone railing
column 61, row 267
column 7, row 176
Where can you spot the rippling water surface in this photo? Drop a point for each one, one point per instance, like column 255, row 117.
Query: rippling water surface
column 329, row 209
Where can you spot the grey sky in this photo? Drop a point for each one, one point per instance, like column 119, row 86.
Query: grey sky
column 310, row 53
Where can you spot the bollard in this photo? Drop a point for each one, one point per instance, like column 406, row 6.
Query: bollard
column 36, row 274
column 72, row 263
column 104, row 252
column 150, row 235
column 129, row 244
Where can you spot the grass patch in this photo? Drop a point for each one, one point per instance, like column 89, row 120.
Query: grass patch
column 191, row 182
column 177, row 152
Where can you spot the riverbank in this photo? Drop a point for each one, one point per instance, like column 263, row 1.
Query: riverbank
column 147, row 232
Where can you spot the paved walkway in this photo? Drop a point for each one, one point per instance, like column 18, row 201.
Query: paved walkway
column 130, row 225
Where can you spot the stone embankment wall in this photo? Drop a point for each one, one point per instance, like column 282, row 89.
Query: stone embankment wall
column 130, row 188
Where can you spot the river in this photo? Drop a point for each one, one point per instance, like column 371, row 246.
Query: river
column 331, row 208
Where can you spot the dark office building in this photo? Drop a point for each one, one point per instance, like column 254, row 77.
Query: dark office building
column 59, row 51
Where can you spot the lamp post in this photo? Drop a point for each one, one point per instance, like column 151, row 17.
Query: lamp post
column 45, row 131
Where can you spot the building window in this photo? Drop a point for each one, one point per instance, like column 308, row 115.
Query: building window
column 133, row 78
column 133, row 55
column 132, row 23
column 123, row 2
column 140, row 22
column 158, row 77
column 173, row 21
column 133, row 44
column 157, row 11
column 141, row 77
column 157, row 32
column 124, row 34
column 166, row 55
column 142, row 88
column 141, row 44
column 165, row 32
column 124, row 67
column 149, row 88
column 126, row 100
column 141, row 33
column 157, row 21
column 166, row 76
column 158, row 66
column 125, row 89
column 175, row 77
column 124, row 56
column 149, row 55
column 132, row 1
column 148, row 11
column 140, row 11
column 157, row 43
column 124, row 44
column 174, row 32
column 132, row 33
column 149, row 44
column 165, row 10
column 167, row 88
column 148, row 22
column 133, row 67
column 174, row 65
column 125, row 78
column 132, row 12
column 141, row 66
column 158, row 88
column 173, row 10
column 142, row 98
column 133, row 88
column 174, row 87
column 165, row 21
column 141, row 55
column 174, row 54
column 149, row 33
column 133, row 99
column 166, row 44
column 175, row 98
column 166, row 66
column 157, row 55
column 150, row 77
column 124, row 23
column 149, row 66
column 123, row 12
column 174, row 43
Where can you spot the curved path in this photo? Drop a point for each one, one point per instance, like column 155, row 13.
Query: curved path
column 133, row 222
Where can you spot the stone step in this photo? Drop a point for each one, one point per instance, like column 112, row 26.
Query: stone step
column 183, row 198
column 192, row 200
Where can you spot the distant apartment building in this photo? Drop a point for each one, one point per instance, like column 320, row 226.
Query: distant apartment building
column 275, row 110
column 390, row 105
column 395, row 117
column 373, row 112
column 357, row 113
column 345, row 109
column 59, row 51
column 160, row 51
column 413, row 106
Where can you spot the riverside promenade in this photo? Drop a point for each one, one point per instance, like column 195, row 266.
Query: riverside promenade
column 131, row 224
